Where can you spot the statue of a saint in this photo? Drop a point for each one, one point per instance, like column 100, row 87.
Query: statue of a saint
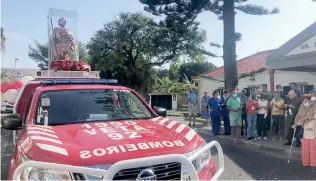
column 62, row 42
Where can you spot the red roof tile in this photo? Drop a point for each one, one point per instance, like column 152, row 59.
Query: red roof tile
column 245, row 65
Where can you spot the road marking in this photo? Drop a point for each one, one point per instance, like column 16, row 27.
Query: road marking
column 41, row 129
column 171, row 124
column 180, row 128
column 43, row 133
column 189, row 136
column 163, row 121
column 45, row 139
column 52, row 148
column 156, row 118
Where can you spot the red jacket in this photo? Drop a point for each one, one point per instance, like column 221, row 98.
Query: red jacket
column 250, row 104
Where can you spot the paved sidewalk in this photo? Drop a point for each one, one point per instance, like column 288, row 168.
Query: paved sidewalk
column 6, row 152
column 269, row 146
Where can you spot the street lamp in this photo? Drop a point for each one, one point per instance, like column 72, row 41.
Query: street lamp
column 16, row 73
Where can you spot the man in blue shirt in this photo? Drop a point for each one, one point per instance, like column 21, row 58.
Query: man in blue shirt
column 225, row 113
column 192, row 106
column 214, row 104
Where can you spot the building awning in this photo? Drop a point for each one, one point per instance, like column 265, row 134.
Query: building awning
column 298, row 54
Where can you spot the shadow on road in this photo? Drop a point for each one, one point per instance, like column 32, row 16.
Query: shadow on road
column 259, row 164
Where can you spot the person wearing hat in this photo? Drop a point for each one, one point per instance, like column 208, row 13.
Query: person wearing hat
column 204, row 108
column 214, row 104
column 192, row 106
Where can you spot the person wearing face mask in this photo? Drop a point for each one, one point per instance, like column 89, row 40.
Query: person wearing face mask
column 258, row 93
column 214, row 105
column 291, row 106
column 234, row 107
column 306, row 117
column 237, row 89
column 280, row 90
column 262, row 116
column 277, row 113
column 269, row 97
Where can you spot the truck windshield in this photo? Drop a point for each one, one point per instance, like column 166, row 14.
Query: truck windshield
column 77, row 106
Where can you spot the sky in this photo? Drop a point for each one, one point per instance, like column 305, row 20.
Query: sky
column 25, row 21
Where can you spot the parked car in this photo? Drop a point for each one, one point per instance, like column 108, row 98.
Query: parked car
column 93, row 130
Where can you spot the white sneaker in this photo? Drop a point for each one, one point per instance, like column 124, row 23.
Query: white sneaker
column 259, row 138
column 265, row 138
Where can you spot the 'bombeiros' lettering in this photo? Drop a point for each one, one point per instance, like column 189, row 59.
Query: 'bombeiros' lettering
column 98, row 152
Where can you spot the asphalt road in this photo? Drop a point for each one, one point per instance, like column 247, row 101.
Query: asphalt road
column 244, row 163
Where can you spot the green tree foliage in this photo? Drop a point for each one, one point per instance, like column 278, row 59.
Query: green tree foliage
column 186, row 11
column 3, row 39
column 165, row 85
column 174, row 69
column 162, row 73
column 191, row 69
column 130, row 46
column 40, row 54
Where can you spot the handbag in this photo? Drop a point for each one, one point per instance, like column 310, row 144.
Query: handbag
column 300, row 129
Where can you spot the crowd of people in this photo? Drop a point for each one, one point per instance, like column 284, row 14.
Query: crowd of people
column 290, row 117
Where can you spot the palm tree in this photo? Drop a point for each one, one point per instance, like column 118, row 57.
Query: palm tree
column 2, row 39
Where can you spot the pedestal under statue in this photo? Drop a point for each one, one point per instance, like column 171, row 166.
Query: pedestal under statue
column 63, row 43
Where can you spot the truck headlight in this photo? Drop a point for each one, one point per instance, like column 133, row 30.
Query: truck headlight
column 199, row 163
column 43, row 174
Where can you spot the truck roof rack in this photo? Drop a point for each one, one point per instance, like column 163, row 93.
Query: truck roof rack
column 58, row 78
column 78, row 81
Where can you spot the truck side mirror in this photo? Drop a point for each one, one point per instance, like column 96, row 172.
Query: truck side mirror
column 161, row 111
column 11, row 122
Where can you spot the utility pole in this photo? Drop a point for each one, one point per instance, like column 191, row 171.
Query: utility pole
column 16, row 72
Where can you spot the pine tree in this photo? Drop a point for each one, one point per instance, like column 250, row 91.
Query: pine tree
column 186, row 11
column 3, row 39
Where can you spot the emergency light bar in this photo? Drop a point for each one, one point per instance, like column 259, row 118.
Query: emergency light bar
column 82, row 81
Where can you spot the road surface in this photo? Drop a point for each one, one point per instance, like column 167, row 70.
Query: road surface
column 246, row 163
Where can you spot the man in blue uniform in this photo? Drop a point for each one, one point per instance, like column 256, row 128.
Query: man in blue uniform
column 214, row 105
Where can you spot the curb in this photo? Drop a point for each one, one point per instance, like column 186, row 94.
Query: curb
column 295, row 155
column 175, row 115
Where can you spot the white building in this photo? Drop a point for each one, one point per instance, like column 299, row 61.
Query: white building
column 19, row 72
column 295, row 61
